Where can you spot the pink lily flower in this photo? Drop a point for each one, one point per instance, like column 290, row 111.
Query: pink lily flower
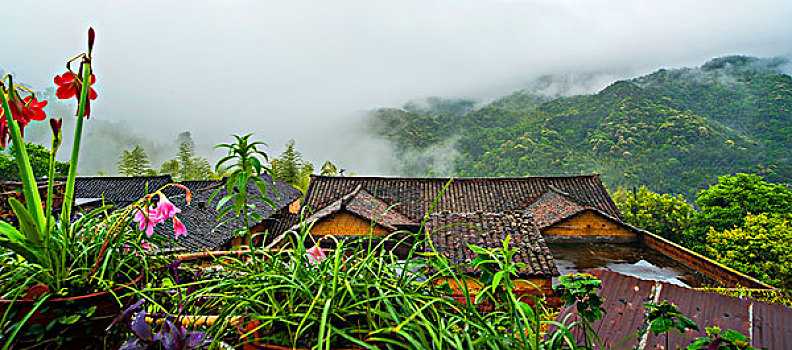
column 315, row 255
column 178, row 228
column 165, row 208
column 147, row 218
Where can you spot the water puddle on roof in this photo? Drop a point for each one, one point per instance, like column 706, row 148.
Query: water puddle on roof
column 628, row 259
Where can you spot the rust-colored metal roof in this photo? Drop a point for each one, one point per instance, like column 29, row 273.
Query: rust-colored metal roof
column 768, row 325
column 464, row 195
column 453, row 232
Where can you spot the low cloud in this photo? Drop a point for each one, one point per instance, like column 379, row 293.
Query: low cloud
column 308, row 69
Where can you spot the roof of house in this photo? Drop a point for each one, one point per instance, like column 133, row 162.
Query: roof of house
column 553, row 206
column 204, row 231
column 414, row 196
column 120, row 191
column 361, row 203
column 769, row 325
column 453, row 232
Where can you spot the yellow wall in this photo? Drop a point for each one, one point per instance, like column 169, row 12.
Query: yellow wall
column 342, row 224
column 521, row 284
column 537, row 286
column 588, row 224
column 294, row 207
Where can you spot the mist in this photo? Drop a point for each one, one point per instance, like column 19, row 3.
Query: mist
column 310, row 70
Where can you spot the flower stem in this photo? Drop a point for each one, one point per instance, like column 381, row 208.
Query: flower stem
column 68, row 196
column 50, row 187
column 30, row 188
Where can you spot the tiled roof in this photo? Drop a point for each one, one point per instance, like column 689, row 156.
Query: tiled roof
column 363, row 204
column 280, row 223
column 552, row 207
column 453, row 232
column 769, row 325
column 120, row 191
column 464, row 195
column 200, row 217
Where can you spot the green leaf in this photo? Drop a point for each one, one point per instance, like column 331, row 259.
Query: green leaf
column 90, row 311
column 527, row 309
column 223, row 201
column 26, row 223
column 497, row 279
column 732, row 336
column 478, row 250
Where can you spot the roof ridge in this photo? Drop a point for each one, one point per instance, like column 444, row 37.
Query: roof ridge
column 561, row 176
column 122, row 177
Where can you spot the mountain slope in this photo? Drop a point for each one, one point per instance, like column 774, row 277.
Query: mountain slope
column 673, row 130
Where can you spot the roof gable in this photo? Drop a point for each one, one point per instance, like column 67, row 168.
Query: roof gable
column 552, row 207
column 363, row 204
column 464, row 195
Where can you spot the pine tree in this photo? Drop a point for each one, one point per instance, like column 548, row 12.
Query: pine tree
column 329, row 169
column 135, row 163
column 186, row 166
column 171, row 168
column 291, row 168
column 287, row 167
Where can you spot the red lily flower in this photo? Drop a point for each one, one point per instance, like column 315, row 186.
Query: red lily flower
column 35, row 109
column 69, row 86
column 23, row 111
column 3, row 132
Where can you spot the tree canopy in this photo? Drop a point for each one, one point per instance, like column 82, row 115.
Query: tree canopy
column 135, row 163
column 39, row 160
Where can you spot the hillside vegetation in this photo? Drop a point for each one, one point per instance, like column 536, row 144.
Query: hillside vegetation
column 674, row 131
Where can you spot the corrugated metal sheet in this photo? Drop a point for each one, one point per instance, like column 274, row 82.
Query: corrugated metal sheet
column 768, row 325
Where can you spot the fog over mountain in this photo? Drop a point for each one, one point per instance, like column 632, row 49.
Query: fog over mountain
column 310, row 70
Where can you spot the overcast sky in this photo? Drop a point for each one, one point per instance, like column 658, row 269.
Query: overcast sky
column 300, row 69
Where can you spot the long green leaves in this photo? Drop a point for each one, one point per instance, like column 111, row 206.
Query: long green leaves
column 245, row 167
column 29, row 185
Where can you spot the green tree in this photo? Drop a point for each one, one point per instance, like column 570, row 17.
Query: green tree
column 291, row 168
column 725, row 205
column 135, row 163
column 329, row 169
column 760, row 247
column 39, row 161
column 186, row 166
column 663, row 214
column 171, row 168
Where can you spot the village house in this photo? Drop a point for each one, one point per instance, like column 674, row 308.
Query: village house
column 557, row 221
column 205, row 232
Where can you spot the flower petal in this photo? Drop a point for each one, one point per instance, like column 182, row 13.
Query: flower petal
column 178, row 228
column 141, row 328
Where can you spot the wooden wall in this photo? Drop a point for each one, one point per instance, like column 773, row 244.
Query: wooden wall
column 294, row 207
column 343, row 224
column 589, row 227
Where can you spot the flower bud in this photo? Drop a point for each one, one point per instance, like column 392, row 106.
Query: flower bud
column 57, row 136
column 91, row 38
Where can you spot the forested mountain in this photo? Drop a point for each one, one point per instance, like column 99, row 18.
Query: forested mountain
column 674, row 131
